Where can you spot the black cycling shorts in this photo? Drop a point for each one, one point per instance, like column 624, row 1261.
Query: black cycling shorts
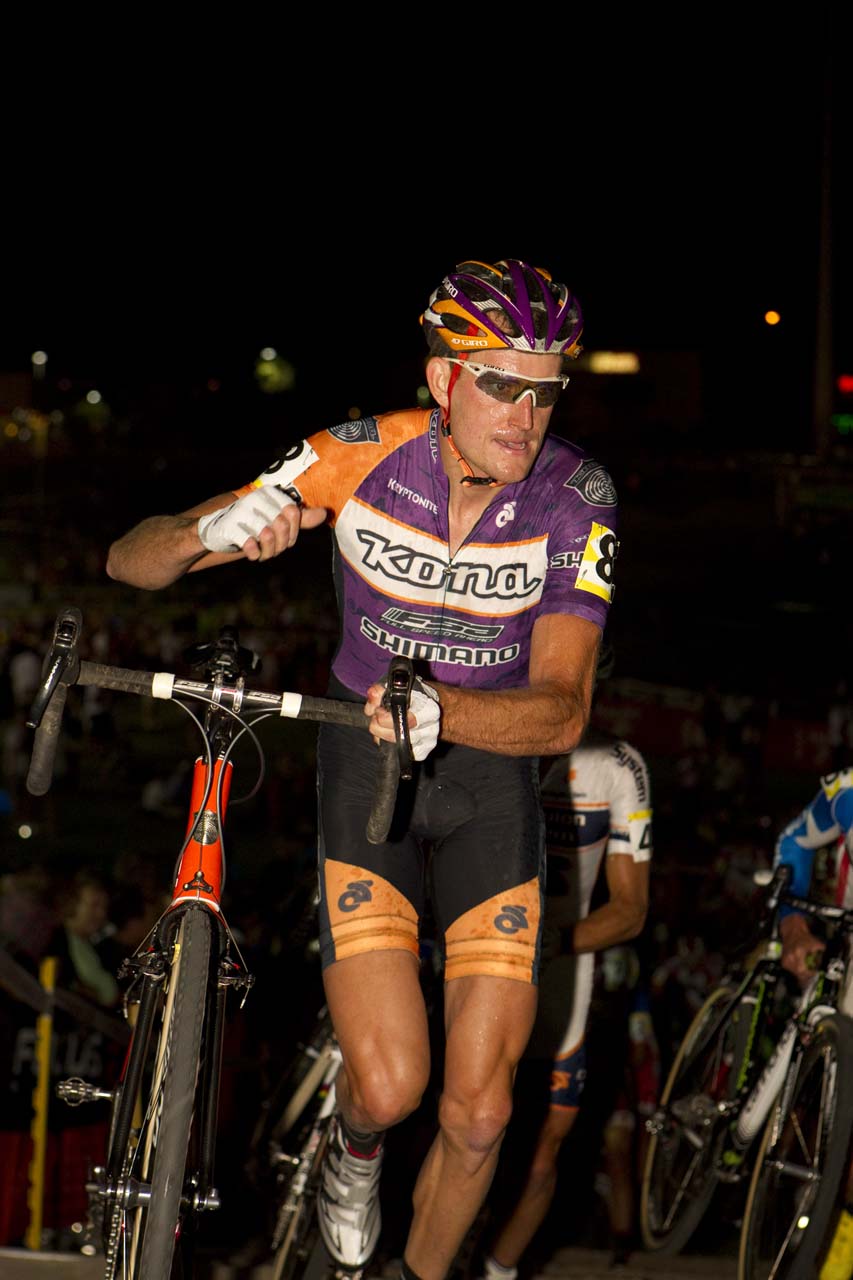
column 477, row 817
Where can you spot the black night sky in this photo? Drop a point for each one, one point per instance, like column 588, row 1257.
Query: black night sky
column 682, row 184
column 679, row 195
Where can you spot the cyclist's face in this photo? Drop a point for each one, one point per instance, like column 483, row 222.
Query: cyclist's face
column 498, row 438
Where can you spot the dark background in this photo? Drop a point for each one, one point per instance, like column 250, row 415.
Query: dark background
column 170, row 213
column 181, row 191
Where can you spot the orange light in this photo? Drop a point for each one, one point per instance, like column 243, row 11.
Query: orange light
column 772, row 317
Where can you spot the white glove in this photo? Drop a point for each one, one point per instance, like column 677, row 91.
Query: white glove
column 228, row 528
column 425, row 706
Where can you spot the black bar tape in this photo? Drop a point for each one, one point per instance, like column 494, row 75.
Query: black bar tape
column 384, row 794
column 333, row 711
column 40, row 773
column 115, row 678
column 337, row 711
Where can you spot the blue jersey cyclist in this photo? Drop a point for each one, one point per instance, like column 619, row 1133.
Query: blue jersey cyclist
column 472, row 541
column 826, row 821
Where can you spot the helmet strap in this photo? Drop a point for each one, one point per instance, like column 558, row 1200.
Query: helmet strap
column 468, row 478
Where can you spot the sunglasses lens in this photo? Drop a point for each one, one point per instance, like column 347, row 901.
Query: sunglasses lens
column 548, row 394
column 507, row 389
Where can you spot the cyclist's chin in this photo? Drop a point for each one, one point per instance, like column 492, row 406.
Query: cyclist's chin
column 512, row 462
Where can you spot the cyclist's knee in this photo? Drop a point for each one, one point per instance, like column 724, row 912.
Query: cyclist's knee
column 475, row 1122
column 384, row 1093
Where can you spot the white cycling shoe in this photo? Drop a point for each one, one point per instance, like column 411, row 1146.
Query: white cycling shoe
column 348, row 1203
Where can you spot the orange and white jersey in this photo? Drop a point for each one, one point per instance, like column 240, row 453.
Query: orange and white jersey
column 546, row 544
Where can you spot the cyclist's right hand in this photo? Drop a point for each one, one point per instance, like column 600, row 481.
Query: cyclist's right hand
column 262, row 524
column 799, row 944
column 424, row 717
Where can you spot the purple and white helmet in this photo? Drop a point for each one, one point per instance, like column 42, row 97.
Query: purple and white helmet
column 480, row 306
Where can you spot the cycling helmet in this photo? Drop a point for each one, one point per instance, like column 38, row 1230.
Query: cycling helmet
column 481, row 306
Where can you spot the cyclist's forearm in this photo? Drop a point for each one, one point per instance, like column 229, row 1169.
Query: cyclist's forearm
column 546, row 719
column 156, row 552
column 609, row 924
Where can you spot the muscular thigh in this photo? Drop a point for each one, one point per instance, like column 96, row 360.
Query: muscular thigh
column 371, row 895
column 478, row 813
column 487, row 869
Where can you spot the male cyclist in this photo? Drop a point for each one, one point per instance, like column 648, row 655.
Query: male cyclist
column 598, row 807
column 470, row 540
column 827, row 819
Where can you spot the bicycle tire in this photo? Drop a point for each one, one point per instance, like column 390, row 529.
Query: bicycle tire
column 675, row 1196
column 302, row 1249
column 793, row 1204
column 157, row 1159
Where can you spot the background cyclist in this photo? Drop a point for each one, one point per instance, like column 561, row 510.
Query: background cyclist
column 827, row 820
column 466, row 537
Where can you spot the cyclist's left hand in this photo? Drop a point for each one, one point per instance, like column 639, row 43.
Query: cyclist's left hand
column 424, row 717
column 799, row 945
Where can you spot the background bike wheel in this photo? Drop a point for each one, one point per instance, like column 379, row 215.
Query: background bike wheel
column 301, row 1244
column 800, row 1171
column 150, row 1231
column 678, row 1176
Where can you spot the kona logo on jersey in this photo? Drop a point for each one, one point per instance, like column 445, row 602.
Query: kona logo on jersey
column 511, row 919
column 458, row 655
column 593, row 484
column 506, row 513
column 358, row 891
column 362, row 431
column 483, row 581
column 596, row 572
column 565, row 560
column 412, row 495
column 449, row 628
column 298, row 458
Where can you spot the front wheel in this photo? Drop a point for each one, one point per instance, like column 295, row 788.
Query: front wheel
column 149, row 1196
column 679, row 1175
column 797, row 1189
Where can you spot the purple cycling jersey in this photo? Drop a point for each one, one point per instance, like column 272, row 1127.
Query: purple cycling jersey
column 546, row 544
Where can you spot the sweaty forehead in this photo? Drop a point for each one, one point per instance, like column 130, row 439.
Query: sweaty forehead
column 525, row 364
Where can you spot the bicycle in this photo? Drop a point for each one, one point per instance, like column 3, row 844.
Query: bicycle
column 290, row 1140
column 157, row 1181
column 743, row 1068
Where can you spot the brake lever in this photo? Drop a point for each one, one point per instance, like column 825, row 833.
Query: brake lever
column 62, row 665
column 397, row 697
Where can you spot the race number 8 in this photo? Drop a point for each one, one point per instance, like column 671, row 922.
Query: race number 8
column 596, row 570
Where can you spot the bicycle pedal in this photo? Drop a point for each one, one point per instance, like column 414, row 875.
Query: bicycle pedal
column 76, row 1091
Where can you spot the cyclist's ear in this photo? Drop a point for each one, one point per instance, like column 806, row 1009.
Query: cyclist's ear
column 438, row 378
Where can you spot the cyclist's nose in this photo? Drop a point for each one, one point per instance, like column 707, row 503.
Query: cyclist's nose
column 523, row 406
